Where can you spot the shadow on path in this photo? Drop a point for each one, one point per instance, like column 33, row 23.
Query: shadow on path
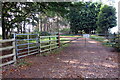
column 75, row 61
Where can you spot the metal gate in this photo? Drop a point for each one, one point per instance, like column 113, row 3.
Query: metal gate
column 26, row 44
column 29, row 44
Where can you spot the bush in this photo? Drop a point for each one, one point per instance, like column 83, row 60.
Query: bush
column 65, row 30
column 31, row 36
column 44, row 33
column 116, row 43
column 21, row 37
column 0, row 36
column 116, row 46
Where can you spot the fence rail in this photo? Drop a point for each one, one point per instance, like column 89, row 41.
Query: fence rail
column 28, row 45
column 8, row 55
column 35, row 44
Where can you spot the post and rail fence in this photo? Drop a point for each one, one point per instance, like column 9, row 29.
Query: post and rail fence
column 13, row 54
column 28, row 45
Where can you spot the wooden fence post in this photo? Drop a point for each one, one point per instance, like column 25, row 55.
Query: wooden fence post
column 38, row 41
column 14, row 51
column 58, row 40
column 28, row 37
column 15, row 47
column 50, row 43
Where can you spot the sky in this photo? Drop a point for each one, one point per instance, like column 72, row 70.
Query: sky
column 115, row 29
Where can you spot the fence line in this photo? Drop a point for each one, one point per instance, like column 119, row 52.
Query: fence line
column 33, row 44
column 29, row 45
column 8, row 55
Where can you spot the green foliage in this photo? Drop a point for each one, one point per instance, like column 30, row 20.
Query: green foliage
column 21, row 37
column 56, row 51
column 97, row 38
column 116, row 46
column 116, row 42
column 23, row 62
column 14, row 14
column 84, row 17
column 0, row 36
column 106, row 18
column 104, row 41
column 65, row 30
column 44, row 33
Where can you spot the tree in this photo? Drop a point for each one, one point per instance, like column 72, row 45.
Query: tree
column 16, row 13
column 83, row 16
column 106, row 19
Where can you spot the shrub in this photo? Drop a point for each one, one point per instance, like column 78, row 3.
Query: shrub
column 21, row 37
column 65, row 30
column 0, row 36
column 116, row 43
column 44, row 33
column 117, row 46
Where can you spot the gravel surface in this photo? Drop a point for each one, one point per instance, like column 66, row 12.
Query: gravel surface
column 77, row 60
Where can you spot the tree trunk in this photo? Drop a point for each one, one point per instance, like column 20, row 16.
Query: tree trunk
column 18, row 30
column 24, row 30
column 3, row 27
column 21, row 29
column 6, row 33
column 44, row 26
column 41, row 25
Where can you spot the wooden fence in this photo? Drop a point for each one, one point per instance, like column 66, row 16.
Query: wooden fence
column 33, row 44
column 8, row 55
column 29, row 44
column 26, row 45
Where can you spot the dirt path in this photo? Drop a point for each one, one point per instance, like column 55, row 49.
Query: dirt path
column 75, row 61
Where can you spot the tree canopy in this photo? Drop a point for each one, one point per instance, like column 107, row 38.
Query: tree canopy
column 16, row 14
column 106, row 19
column 84, row 17
column 47, row 16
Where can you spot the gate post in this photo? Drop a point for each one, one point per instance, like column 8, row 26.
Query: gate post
column 15, row 48
column 38, row 41
column 49, row 43
column 28, row 37
column 58, row 39
column 14, row 51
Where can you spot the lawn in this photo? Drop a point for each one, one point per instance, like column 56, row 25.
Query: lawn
column 72, row 36
column 42, row 44
column 0, row 37
column 102, row 39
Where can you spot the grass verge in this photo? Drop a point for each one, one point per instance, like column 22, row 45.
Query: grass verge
column 23, row 62
column 102, row 39
column 56, row 51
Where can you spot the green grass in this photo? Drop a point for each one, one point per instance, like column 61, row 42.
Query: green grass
column 71, row 36
column 0, row 37
column 23, row 62
column 62, row 41
column 56, row 51
column 102, row 39
column 42, row 44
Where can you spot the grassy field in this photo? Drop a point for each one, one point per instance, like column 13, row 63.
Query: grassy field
column 42, row 44
column 0, row 37
column 102, row 39
column 73, row 36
